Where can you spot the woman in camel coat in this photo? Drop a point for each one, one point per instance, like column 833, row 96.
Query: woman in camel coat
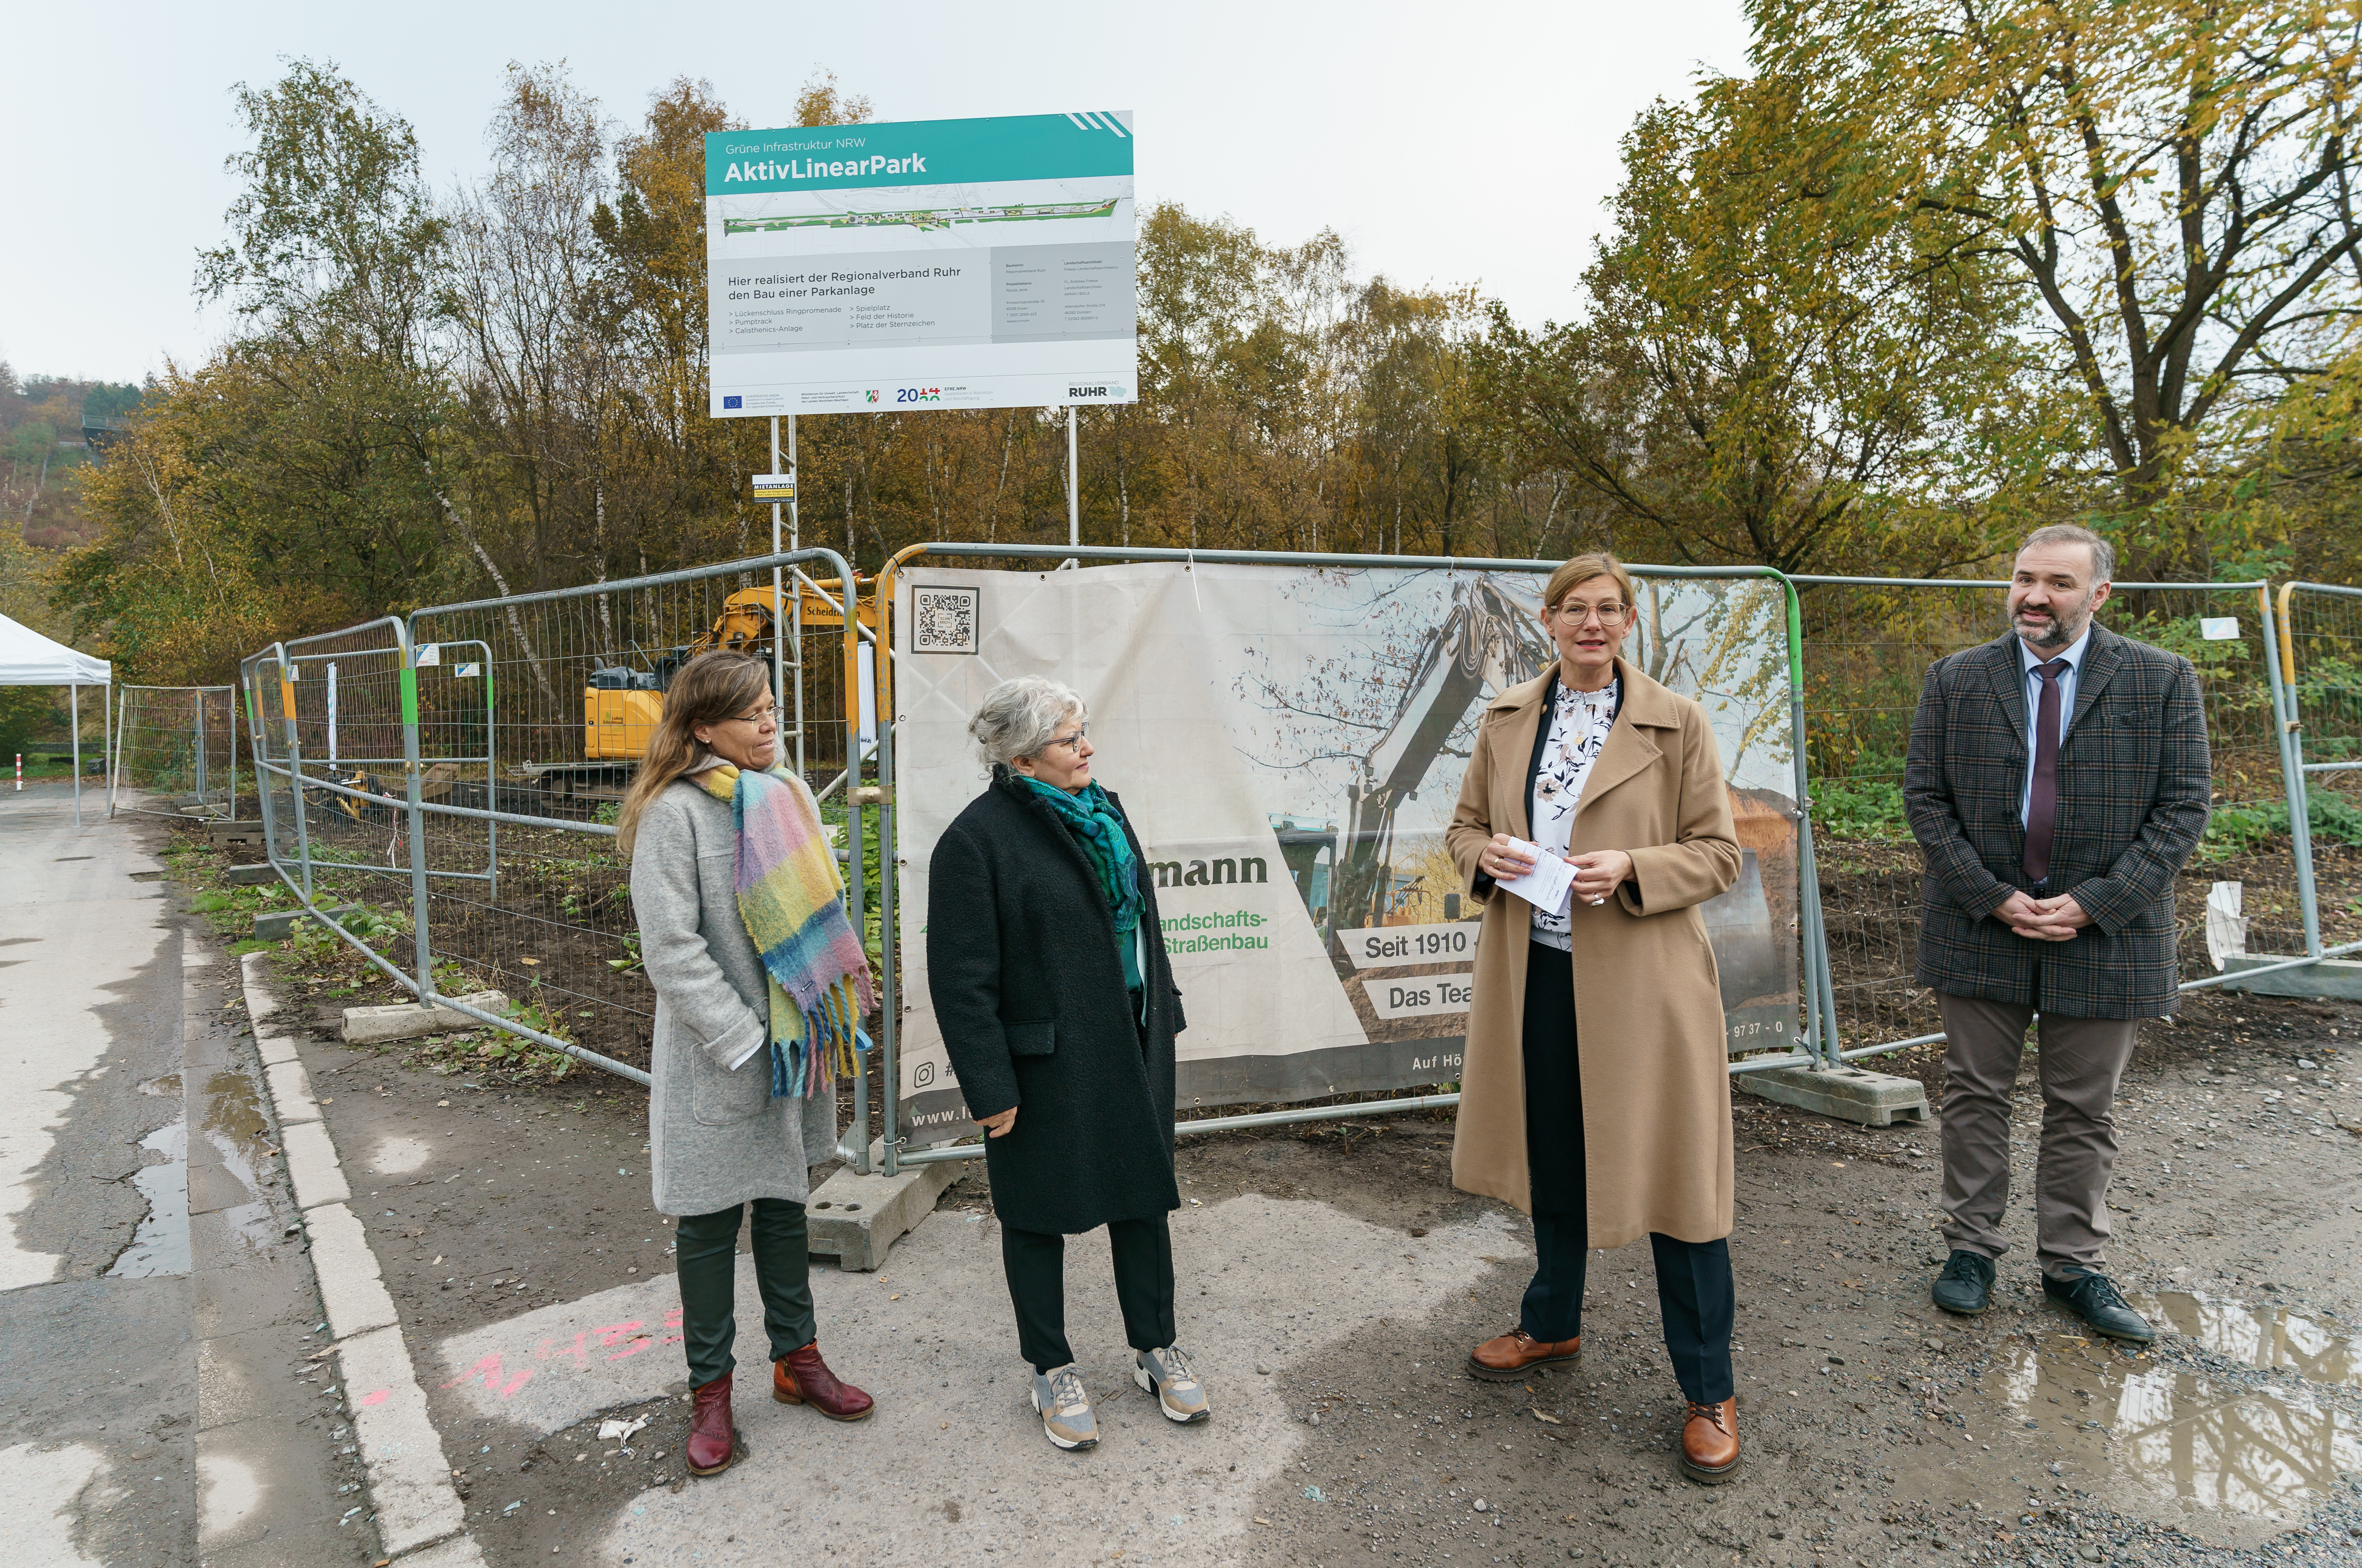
column 1596, row 1096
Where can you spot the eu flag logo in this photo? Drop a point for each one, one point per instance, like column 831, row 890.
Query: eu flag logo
column 734, row 401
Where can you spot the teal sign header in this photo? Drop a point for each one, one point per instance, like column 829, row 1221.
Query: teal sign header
column 917, row 152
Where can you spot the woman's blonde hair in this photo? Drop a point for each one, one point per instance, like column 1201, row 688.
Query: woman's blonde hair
column 707, row 690
column 1579, row 569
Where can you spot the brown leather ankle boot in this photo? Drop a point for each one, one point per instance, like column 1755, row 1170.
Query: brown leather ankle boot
column 801, row 1378
column 712, row 1439
column 1710, row 1442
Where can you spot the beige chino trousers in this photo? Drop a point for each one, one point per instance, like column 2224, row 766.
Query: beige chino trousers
column 2081, row 1062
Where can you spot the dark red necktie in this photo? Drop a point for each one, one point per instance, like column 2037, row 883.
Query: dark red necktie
column 2042, row 801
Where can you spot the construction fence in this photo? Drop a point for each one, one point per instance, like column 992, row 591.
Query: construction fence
column 174, row 746
column 440, row 788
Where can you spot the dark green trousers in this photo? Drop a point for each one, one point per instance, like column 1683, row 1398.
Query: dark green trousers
column 708, row 1261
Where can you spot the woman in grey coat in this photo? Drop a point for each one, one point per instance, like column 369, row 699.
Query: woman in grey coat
column 722, row 1135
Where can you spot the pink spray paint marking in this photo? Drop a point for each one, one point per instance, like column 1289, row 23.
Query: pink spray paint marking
column 377, row 1396
column 490, row 1370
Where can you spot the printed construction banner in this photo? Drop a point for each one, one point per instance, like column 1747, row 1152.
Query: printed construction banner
column 1288, row 743
column 981, row 263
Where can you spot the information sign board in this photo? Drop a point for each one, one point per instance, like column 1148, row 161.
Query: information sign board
column 981, row 263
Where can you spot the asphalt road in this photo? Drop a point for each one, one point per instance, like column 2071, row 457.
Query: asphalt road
column 154, row 1309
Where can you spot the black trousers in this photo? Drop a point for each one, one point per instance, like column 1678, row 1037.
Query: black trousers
column 708, row 1264
column 1695, row 1295
column 1036, row 1263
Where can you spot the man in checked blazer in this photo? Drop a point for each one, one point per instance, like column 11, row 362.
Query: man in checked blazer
column 2056, row 781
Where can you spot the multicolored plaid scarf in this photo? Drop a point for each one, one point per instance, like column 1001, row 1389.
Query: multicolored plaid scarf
column 788, row 895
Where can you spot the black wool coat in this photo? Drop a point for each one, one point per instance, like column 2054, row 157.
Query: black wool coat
column 1028, row 985
column 2134, row 788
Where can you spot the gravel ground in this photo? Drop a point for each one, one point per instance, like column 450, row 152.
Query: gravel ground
column 1878, row 1429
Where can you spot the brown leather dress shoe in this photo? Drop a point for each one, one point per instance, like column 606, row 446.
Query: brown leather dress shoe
column 1515, row 1354
column 712, row 1439
column 1710, row 1442
column 801, row 1378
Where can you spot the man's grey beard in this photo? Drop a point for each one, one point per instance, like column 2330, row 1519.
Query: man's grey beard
column 2060, row 634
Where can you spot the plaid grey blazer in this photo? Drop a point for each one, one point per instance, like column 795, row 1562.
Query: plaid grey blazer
column 2132, row 791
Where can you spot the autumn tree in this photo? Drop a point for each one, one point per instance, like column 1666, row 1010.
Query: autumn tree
column 2169, row 182
column 1763, row 374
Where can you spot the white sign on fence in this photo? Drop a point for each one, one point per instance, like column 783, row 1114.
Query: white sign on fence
column 982, row 264
column 1288, row 743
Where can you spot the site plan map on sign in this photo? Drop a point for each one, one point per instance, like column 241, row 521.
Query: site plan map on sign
column 950, row 263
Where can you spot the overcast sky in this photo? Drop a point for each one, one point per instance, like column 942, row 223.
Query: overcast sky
column 1473, row 143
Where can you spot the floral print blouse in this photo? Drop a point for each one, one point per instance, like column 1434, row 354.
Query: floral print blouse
column 1579, row 724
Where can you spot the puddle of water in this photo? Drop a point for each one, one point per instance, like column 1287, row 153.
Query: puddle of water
column 166, row 1088
column 2258, row 1336
column 2204, row 1444
column 233, row 1125
column 161, row 1245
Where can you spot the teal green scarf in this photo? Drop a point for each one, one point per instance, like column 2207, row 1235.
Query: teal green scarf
column 1098, row 827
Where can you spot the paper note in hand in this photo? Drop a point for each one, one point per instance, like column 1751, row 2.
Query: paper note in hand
column 1548, row 885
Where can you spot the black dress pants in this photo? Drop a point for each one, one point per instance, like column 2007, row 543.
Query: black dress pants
column 708, row 1265
column 1695, row 1295
column 1036, row 1263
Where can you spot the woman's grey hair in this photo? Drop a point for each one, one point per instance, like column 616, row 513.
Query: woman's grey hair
column 1019, row 718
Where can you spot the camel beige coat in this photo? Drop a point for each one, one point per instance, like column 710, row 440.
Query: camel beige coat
column 1650, row 1043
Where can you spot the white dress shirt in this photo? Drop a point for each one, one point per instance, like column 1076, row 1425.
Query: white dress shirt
column 2027, row 659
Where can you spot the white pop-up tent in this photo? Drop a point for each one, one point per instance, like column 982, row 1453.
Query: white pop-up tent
column 28, row 658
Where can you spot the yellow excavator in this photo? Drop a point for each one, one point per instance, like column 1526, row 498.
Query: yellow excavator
column 623, row 706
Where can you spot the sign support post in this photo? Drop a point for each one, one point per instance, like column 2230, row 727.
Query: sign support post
column 1074, row 484
column 796, row 614
column 778, row 638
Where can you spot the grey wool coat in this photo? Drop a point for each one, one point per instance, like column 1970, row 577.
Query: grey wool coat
column 2134, row 785
column 716, row 1137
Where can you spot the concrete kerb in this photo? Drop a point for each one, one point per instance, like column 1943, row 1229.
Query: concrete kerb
column 418, row 1514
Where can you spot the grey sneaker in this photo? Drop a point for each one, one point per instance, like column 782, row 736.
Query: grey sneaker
column 1066, row 1417
column 1168, row 1374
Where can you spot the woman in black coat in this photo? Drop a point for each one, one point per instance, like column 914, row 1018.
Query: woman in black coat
column 1047, row 969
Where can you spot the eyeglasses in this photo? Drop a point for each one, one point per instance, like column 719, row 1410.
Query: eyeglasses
column 1609, row 614
column 1073, row 742
column 762, row 715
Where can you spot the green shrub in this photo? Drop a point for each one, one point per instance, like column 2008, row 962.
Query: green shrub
column 2237, row 829
column 1861, row 807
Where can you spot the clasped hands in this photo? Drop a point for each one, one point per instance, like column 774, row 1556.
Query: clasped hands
column 1598, row 873
column 2044, row 920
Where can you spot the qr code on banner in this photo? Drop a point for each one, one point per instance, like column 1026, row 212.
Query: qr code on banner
column 944, row 620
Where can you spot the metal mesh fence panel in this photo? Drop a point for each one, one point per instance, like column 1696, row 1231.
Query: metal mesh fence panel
column 1868, row 644
column 539, row 709
column 2321, row 661
column 177, row 745
column 1751, row 607
column 443, row 791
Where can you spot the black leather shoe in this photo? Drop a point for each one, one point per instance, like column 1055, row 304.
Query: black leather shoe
column 1966, row 1285
column 2094, row 1299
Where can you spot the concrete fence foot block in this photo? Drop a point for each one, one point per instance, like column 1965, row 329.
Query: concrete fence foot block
column 368, row 1025
column 263, row 876
column 1849, row 1094
column 858, row 1217
column 2332, row 977
column 274, row 925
